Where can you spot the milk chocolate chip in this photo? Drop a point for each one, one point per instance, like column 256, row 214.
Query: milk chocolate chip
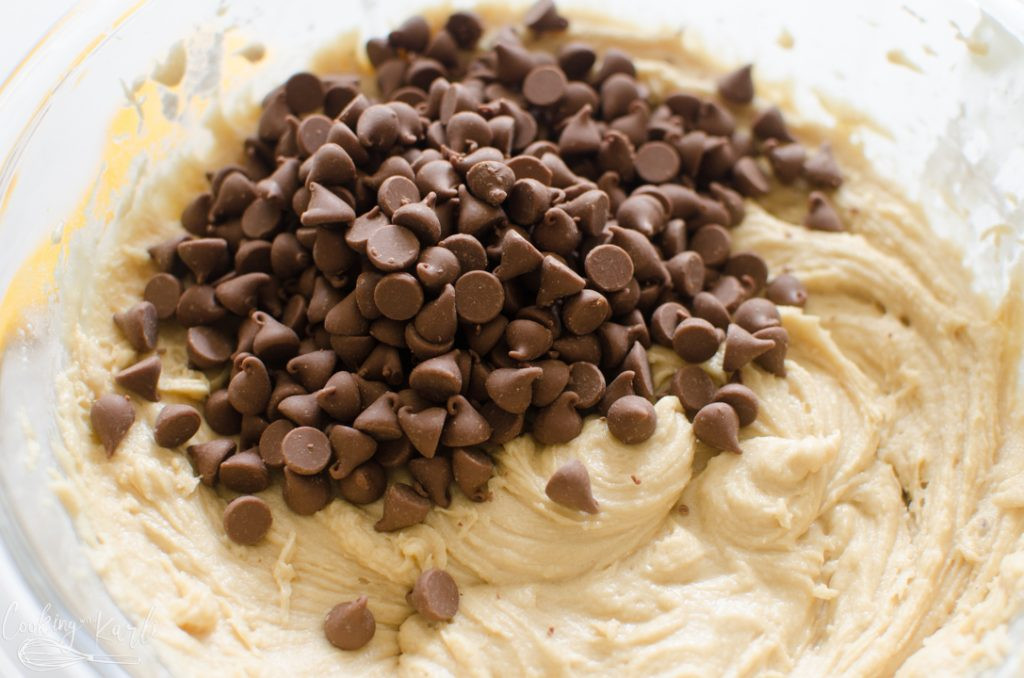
column 350, row 626
column 435, row 595
column 247, row 520
column 570, row 487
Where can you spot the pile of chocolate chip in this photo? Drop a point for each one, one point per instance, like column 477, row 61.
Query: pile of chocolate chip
column 401, row 278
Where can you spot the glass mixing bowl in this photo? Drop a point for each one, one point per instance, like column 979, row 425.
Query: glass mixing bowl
column 101, row 98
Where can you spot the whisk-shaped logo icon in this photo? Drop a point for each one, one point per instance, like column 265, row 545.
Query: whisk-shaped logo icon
column 48, row 654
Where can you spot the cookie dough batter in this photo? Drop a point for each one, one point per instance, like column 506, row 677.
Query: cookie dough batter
column 872, row 524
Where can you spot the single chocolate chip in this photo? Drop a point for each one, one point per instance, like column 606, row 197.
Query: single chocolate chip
column 570, row 487
column 412, row 35
column 378, row 127
column 302, row 409
column 693, row 386
column 233, row 195
column 207, row 458
column 712, row 243
column 313, row 369
column 435, row 595
column 512, row 388
column 647, row 263
column 365, row 484
column 472, row 469
column 398, row 296
column 741, row 347
column 620, row 386
column 710, row 308
column 305, row 495
column 325, row 207
column 557, row 281
column 253, row 256
column 350, row 625
column 750, row 265
column 558, row 422
column 695, row 340
column 330, row 165
column 756, row 314
column 437, row 267
column 249, row 390
column 737, row 86
column 438, row 378
column 465, row 426
column 543, row 17
column 576, row 60
column 664, row 321
column 306, row 450
column 787, row 160
column 557, row 232
column 403, row 507
column 247, row 520
column 312, row 133
column 490, row 181
column 245, row 472
column 111, row 417
column 141, row 378
column 274, row 342
column 240, row 294
column 821, row 214
column 632, row 419
column 340, row 397
column 717, row 425
column 163, row 291
column 731, row 291
column 351, row 449
column 786, row 290
column 687, row 272
column 544, row 85
column 270, row 449
column 637, row 362
column 748, row 177
column 583, row 313
column 774, row 360
column 615, row 61
column 479, row 297
column 609, row 267
column 769, row 124
column 527, row 340
column 657, row 162
column 423, row 428
column 529, row 167
column 465, row 28
column 395, row 192
column 421, row 218
column 303, row 93
column 518, row 256
column 380, row 418
column 139, row 326
column 439, row 177
column 205, row 257
column 580, row 135
column 434, row 475
column 197, row 305
column 175, row 425
column 219, row 414
column 587, row 382
column 741, row 399
column 392, row 248
column 821, row 168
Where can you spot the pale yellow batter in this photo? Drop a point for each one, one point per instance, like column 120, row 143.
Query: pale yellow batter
column 872, row 524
